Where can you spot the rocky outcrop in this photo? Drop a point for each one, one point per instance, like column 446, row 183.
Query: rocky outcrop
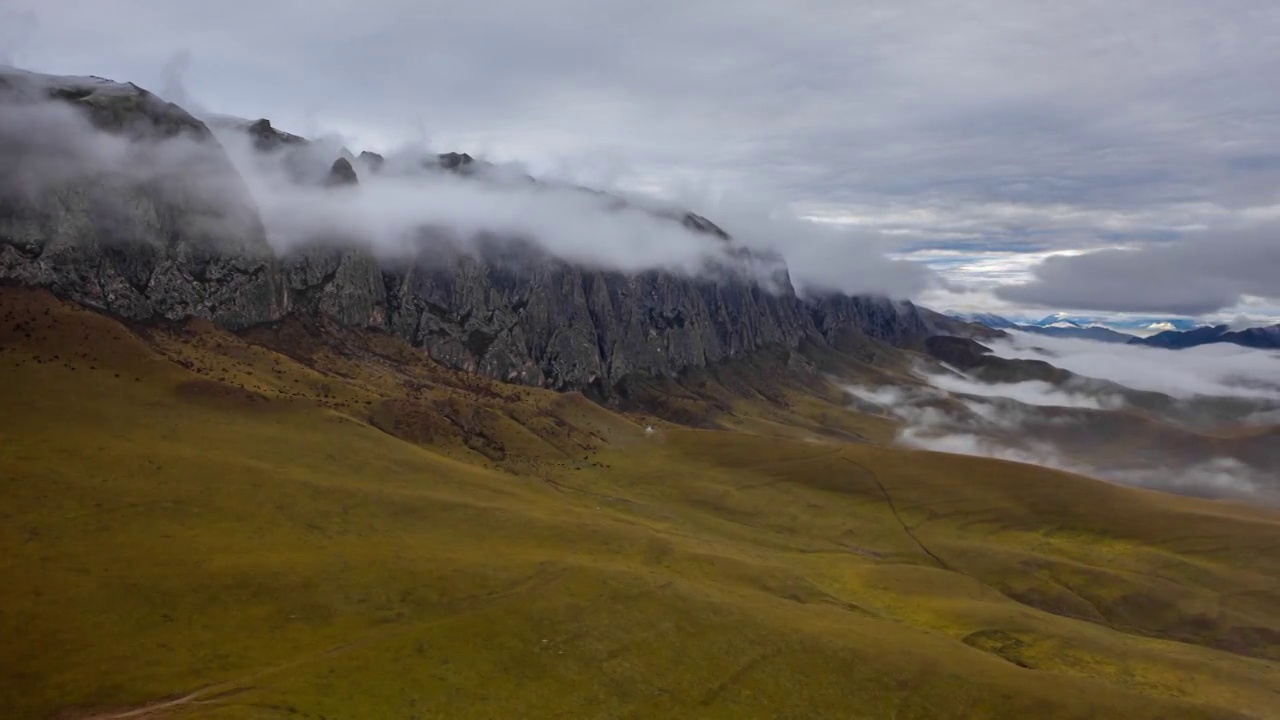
column 138, row 235
column 978, row 360
column 266, row 138
column 897, row 323
column 341, row 173
column 371, row 161
column 544, row 322
column 150, row 245
column 455, row 161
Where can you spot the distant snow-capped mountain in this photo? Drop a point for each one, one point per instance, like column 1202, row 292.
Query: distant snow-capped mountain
column 1134, row 326
column 1063, row 320
column 1056, row 325
column 1151, row 326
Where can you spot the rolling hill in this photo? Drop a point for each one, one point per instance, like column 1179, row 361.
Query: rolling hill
column 307, row 521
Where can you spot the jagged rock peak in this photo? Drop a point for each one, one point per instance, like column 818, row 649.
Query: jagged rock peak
column 696, row 222
column 136, row 236
column 265, row 137
column 111, row 106
column 455, row 161
column 371, row 160
column 342, row 173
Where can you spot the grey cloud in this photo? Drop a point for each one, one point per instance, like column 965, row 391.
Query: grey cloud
column 1046, row 124
column 16, row 28
column 1200, row 273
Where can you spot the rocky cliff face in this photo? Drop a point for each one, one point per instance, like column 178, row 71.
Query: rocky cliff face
column 145, row 246
column 110, row 234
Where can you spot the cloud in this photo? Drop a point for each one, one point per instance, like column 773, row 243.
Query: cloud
column 1218, row 370
column 17, row 26
column 1036, row 424
column 979, row 126
column 1201, row 273
column 1031, row 392
column 820, row 258
column 394, row 210
column 1217, row 477
column 389, row 211
column 173, row 83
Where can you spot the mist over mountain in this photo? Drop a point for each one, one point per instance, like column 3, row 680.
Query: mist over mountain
column 131, row 204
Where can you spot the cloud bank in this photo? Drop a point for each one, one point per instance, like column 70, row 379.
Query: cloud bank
column 989, row 128
column 1216, row 438
column 968, row 417
column 49, row 143
column 1218, row 370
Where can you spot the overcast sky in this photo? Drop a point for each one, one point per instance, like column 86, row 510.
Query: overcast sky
column 1117, row 156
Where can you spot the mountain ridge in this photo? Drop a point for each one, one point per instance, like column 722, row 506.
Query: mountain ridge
column 159, row 248
column 1256, row 337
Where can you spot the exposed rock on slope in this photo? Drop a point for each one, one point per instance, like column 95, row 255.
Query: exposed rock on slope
column 114, row 235
column 546, row 322
column 341, row 173
column 973, row 357
column 182, row 246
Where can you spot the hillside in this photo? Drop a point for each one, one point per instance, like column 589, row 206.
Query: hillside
column 307, row 521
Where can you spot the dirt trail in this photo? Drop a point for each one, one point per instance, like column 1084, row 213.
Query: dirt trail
column 871, row 475
column 224, row 690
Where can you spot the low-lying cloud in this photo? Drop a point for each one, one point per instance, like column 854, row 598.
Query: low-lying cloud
column 1029, row 392
column 1217, row 370
column 1037, row 423
column 48, row 144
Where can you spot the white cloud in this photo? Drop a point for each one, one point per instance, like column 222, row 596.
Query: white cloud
column 48, row 142
column 1026, row 422
column 1211, row 370
column 1030, row 392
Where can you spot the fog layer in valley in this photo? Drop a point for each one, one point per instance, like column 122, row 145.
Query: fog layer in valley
column 1221, row 369
column 1082, row 428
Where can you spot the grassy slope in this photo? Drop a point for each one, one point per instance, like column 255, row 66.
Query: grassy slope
column 348, row 532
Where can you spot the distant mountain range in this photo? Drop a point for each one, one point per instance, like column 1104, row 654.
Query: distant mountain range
column 1056, row 325
column 1173, row 334
column 1141, row 326
column 1260, row 337
column 1092, row 332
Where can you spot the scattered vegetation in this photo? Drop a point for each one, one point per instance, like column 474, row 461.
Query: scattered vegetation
column 321, row 523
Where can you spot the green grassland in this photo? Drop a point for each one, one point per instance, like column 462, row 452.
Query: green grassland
column 311, row 522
